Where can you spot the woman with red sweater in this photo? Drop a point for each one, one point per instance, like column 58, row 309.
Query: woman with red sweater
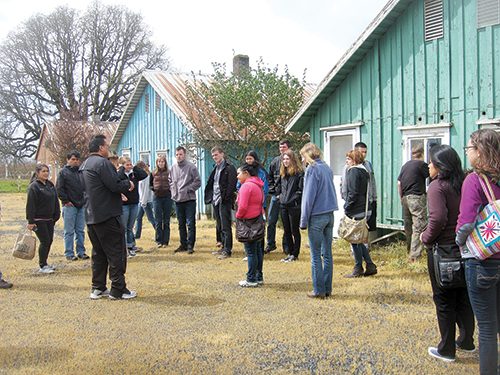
column 249, row 202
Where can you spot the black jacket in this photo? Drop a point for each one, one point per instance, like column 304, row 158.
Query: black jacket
column 136, row 174
column 273, row 177
column 102, row 189
column 42, row 202
column 227, row 184
column 357, row 183
column 290, row 190
column 69, row 186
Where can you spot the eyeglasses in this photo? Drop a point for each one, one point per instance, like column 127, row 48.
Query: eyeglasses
column 467, row 148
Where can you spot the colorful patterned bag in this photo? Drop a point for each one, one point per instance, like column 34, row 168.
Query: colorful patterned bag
column 483, row 242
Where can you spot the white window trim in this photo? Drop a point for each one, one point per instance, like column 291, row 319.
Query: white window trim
column 424, row 131
column 126, row 151
column 490, row 123
column 342, row 127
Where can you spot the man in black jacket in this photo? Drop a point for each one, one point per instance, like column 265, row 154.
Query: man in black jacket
column 70, row 192
column 273, row 214
column 103, row 208
column 219, row 192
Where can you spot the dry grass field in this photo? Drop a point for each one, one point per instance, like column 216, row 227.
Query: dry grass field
column 191, row 317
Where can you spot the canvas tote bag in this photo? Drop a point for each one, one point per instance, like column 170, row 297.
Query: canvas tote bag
column 25, row 245
column 355, row 231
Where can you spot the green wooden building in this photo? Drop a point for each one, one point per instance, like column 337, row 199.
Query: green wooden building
column 422, row 73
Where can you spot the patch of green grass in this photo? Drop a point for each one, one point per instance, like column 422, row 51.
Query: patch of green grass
column 13, row 186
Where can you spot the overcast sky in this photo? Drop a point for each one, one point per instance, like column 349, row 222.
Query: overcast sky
column 302, row 34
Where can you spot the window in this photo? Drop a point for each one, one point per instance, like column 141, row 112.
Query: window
column 157, row 101
column 424, row 135
column 144, row 156
column 433, row 18
column 126, row 152
column 146, row 102
column 488, row 13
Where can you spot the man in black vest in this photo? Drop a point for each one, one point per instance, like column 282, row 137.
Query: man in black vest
column 219, row 192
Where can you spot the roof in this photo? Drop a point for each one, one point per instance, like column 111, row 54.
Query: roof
column 99, row 127
column 375, row 30
column 172, row 89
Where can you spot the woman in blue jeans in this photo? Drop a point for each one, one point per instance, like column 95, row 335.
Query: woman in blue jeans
column 145, row 201
column 319, row 200
column 483, row 277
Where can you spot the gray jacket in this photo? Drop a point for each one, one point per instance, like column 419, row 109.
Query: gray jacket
column 184, row 180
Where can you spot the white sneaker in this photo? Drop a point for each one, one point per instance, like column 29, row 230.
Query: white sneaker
column 51, row 266
column 247, row 284
column 131, row 254
column 46, row 269
column 127, row 294
column 97, row 294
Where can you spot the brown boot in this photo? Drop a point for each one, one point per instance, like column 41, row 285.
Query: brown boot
column 356, row 272
column 371, row 269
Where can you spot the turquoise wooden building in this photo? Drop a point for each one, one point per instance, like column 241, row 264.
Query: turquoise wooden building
column 423, row 72
column 155, row 122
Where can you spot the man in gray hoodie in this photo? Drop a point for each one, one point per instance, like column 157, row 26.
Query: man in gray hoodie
column 184, row 180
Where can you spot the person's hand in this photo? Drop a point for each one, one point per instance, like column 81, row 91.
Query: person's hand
column 124, row 198
column 69, row 204
column 132, row 186
column 31, row 226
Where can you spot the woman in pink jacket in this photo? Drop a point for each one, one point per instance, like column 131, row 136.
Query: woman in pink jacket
column 249, row 202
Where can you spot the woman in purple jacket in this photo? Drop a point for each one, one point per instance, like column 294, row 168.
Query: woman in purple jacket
column 483, row 277
column 452, row 305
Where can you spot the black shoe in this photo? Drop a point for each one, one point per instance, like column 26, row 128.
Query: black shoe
column 180, row 248
column 83, row 256
column 190, row 249
column 269, row 248
column 71, row 257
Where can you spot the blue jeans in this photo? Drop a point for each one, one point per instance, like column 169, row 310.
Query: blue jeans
column 163, row 209
column 186, row 215
column 255, row 257
column 140, row 213
column 128, row 220
column 272, row 218
column 74, row 223
column 320, row 241
column 483, row 282
column 361, row 252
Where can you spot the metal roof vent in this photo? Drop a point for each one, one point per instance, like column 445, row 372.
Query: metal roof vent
column 433, row 15
column 488, row 13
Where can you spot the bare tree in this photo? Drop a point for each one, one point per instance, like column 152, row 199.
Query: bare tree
column 66, row 62
column 245, row 111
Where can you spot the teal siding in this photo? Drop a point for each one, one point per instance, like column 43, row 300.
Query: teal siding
column 158, row 130
column 403, row 78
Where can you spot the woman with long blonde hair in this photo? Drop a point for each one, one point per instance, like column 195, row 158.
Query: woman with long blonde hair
column 290, row 195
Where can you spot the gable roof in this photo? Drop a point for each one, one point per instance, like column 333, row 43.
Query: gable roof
column 99, row 127
column 375, row 30
column 172, row 89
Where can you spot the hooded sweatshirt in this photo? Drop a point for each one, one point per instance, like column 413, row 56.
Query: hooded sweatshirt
column 250, row 198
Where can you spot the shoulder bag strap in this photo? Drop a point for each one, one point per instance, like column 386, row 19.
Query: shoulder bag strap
column 488, row 191
column 367, row 192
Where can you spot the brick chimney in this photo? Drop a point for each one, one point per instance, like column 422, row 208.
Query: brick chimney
column 241, row 65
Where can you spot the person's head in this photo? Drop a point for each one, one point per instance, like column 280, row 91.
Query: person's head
column 247, row 170
column 354, row 157
column 217, row 154
column 361, row 146
column 41, row 172
column 126, row 162
column 285, row 145
column 161, row 163
column 445, row 162
column 180, row 154
column 483, row 152
column 417, row 152
column 290, row 164
column 99, row 145
column 309, row 153
column 73, row 158
column 143, row 166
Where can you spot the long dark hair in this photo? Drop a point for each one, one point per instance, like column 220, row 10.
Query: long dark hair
column 252, row 168
column 449, row 164
column 254, row 155
column 38, row 168
column 487, row 142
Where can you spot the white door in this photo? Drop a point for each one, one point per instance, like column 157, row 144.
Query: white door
column 337, row 144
